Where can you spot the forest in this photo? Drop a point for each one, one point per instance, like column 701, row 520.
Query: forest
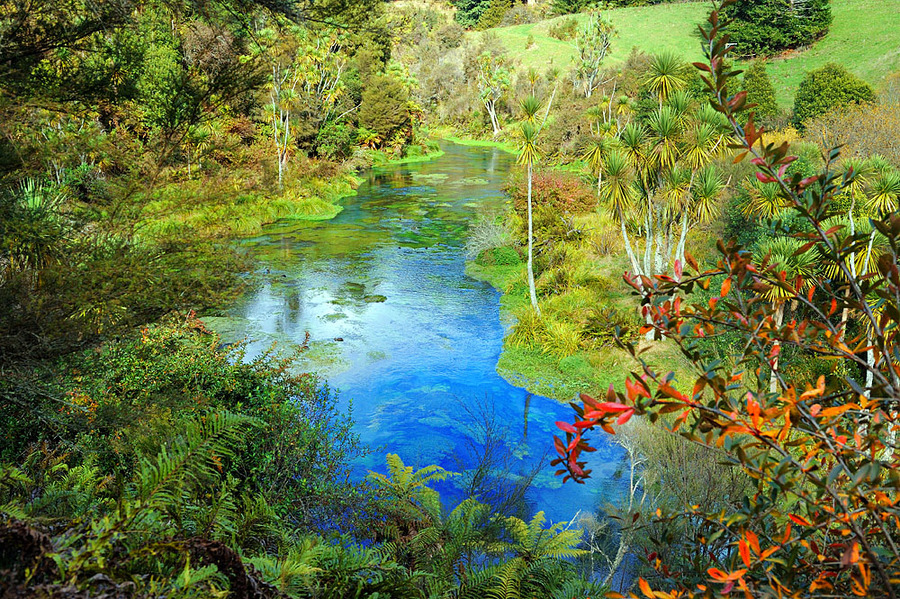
column 449, row 299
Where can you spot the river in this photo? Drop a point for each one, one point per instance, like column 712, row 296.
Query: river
column 398, row 328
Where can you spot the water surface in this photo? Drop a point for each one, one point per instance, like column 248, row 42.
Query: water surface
column 398, row 328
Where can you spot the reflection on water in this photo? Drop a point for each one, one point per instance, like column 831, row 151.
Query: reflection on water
column 399, row 329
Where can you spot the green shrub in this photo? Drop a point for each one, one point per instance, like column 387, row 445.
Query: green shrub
column 128, row 397
column 765, row 27
column 468, row 12
column 760, row 90
column 493, row 16
column 564, row 30
column 502, row 256
column 561, row 338
column 385, row 107
column 826, row 89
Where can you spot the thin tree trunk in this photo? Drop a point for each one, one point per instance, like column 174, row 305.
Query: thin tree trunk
column 531, row 289
column 679, row 253
column 870, row 360
column 628, row 249
column 773, row 379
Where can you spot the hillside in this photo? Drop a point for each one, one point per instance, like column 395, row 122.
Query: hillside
column 864, row 38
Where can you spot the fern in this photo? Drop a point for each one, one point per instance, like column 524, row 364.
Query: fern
column 194, row 456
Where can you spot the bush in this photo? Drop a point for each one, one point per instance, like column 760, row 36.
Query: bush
column 797, row 440
column 128, row 397
column 564, row 29
column 826, row 89
column 336, row 141
column 505, row 256
column 864, row 129
column 562, row 192
column 490, row 231
column 385, row 107
column 765, row 27
column 760, row 90
column 493, row 16
column 468, row 12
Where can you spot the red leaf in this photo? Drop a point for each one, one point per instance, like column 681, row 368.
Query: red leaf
column 560, row 446
column 625, row 417
column 609, row 406
column 566, row 427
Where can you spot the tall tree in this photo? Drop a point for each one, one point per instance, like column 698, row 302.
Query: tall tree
column 494, row 79
column 592, row 43
column 528, row 154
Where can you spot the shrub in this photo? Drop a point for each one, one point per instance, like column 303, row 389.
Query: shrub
column 820, row 455
column 864, row 129
column 385, row 108
column 128, row 397
column 827, row 89
column 336, row 141
column 561, row 338
column 564, row 29
column 468, row 12
column 503, row 256
column 562, row 192
column 493, row 16
column 489, row 231
column 760, row 90
column 764, row 27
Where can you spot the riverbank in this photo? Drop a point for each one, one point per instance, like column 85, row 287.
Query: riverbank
column 585, row 305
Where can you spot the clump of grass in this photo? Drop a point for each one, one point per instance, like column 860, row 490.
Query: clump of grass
column 529, row 329
column 562, row 338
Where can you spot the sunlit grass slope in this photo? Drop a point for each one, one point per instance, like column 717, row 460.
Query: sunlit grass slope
column 865, row 38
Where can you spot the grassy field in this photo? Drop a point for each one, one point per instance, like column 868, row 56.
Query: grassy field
column 865, row 38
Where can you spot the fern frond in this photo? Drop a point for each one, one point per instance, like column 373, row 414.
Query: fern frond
column 193, row 456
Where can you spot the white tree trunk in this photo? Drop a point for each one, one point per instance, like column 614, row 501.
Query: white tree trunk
column 531, row 289
column 773, row 379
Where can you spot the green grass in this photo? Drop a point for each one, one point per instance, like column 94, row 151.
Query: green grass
column 650, row 28
column 481, row 143
column 864, row 37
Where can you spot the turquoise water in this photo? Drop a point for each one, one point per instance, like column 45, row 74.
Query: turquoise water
column 398, row 328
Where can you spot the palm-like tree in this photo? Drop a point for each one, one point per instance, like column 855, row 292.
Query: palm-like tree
column 764, row 200
column 793, row 271
column 666, row 159
column 528, row 154
column 595, row 155
column 667, row 75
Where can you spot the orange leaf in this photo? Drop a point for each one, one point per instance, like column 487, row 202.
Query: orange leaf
column 745, row 552
column 799, row 520
column 726, row 287
column 645, row 588
column 754, row 540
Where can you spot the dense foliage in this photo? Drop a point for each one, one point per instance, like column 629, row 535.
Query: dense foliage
column 760, row 91
column 828, row 88
column 765, row 27
column 821, row 451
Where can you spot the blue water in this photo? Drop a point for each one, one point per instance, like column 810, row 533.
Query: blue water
column 421, row 364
